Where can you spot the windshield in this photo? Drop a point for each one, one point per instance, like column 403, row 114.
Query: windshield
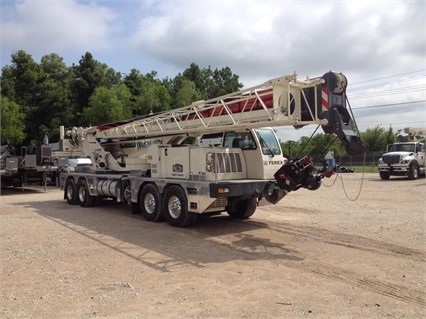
column 268, row 141
column 402, row 148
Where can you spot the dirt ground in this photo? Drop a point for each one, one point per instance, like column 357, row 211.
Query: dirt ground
column 316, row 254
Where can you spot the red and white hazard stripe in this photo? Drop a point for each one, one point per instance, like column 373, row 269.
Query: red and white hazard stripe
column 324, row 98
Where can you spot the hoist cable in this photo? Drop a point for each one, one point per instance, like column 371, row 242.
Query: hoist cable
column 361, row 184
column 332, row 183
column 310, row 137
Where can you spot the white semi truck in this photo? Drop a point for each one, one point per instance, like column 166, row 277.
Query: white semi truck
column 404, row 158
column 217, row 155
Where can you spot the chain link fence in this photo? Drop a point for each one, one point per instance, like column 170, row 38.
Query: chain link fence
column 348, row 161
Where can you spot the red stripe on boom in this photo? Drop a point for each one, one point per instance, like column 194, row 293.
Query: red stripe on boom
column 324, row 98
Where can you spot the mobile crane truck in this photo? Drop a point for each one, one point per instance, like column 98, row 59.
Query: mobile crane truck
column 404, row 158
column 217, row 155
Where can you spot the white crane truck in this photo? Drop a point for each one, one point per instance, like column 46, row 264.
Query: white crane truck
column 404, row 158
column 217, row 155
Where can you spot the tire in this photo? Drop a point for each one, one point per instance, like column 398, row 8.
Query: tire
column 385, row 175
column 84, row 197
column 70, row 192
column 413, row 172
column 244, row 209
column 175, row 207
column 150, row 203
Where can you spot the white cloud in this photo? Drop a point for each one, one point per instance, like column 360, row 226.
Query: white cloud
column 277, row 37
column 42, row 27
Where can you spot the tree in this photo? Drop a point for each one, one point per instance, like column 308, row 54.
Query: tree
column 54, row 103
column 149, row 95
column 89, row 75
column 182, row 90
column 199, row 77
column 25, row 73
column 377, row 138
column 12, row 122
column 317, row 146
column 108, row 105
column 8, row 82
column 212, row 83
column 186, row 93
column 21, row 81
column 223, row 82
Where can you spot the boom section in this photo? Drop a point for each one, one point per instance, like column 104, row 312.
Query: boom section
column 283, row 101
column 278, row 102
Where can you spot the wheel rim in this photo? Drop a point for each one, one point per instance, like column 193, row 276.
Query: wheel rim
column 415, row 172
column 82, row 194
column 70, row 192
column 174, row 206
column 149, row 203
column 128, row 195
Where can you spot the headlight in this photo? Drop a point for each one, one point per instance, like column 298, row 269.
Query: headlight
column 405, row 161
column 381, row 161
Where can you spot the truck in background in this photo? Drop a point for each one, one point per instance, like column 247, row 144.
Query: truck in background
column 404, row 158
column 34, row 165
column 37, row 164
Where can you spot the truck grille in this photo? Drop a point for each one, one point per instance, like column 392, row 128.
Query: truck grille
column 219, row 202
column 228, row 163
column 391, row 159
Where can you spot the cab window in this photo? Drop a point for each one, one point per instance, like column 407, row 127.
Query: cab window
column 268, row 141
column 243, row 140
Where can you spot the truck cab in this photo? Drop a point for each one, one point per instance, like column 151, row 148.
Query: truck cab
column 403, row 159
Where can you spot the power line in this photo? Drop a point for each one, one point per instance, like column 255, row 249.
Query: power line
column 389, row 92
column 390, row 76
column 399, row 82
column 413, row 84
column 388, row 104
column 395, row 123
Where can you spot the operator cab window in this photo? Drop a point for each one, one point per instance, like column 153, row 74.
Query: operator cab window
column 268, row 142
column 243, row 140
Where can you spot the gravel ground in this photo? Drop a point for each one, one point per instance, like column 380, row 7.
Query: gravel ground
column 319, row 254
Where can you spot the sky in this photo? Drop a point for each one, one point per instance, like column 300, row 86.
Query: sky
column 380, row 46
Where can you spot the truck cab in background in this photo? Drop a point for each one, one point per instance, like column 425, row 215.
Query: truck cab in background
column 404, row 158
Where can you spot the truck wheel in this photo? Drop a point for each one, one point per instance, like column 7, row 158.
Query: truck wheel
column 385, row 175
column 175, row 207
column 71, row 192
column 244, row 209
column 150, row 203
column 84, row 197
column 128, row 194
column 413, row 172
